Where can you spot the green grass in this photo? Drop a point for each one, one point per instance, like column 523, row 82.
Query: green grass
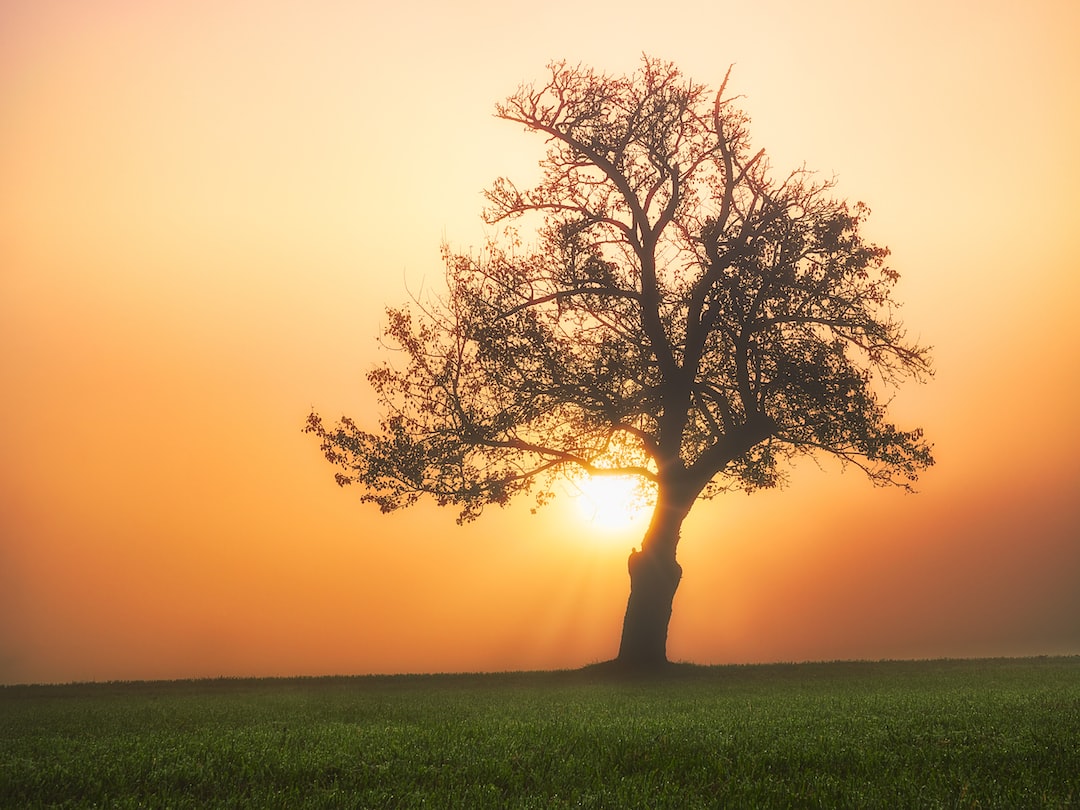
column 1000, row 733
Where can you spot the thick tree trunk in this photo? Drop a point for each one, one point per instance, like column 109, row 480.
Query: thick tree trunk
column 654, row 578
column 654, row 571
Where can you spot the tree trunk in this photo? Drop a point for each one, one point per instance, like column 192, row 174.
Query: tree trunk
column 654, row 578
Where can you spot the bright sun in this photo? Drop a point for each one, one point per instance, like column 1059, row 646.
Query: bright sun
column 610, row 503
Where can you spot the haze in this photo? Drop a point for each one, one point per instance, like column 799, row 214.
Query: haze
column 205, row 206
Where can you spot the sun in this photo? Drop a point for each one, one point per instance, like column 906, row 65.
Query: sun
column 610, row 503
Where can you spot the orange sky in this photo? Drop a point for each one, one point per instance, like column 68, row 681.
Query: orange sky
column 204, row 207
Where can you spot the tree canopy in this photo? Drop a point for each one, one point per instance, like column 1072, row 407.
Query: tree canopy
column 673, row 311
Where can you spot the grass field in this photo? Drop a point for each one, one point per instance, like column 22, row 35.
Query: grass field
column 994, row 733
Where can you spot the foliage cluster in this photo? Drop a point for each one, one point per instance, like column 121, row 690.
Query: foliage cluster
column 982, row 734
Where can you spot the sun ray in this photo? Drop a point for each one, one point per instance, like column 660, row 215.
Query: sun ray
column 613, row 504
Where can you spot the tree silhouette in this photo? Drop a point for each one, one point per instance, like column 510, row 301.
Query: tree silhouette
column 677, row 315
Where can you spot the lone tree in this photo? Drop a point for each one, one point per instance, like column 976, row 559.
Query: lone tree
column 681, row 317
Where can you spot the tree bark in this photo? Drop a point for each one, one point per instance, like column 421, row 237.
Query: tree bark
column 654, row 578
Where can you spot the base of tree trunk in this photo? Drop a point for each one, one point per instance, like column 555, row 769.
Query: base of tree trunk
column 654, row 578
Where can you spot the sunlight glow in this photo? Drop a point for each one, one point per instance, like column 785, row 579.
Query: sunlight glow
column 206, row 208
column 610, row 503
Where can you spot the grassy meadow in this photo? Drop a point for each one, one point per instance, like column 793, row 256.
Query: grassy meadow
column 984, row 733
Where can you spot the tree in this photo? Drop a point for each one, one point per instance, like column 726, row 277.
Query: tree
column 680, row 317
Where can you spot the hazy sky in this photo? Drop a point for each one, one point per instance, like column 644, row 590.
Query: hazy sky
column 205, row 206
